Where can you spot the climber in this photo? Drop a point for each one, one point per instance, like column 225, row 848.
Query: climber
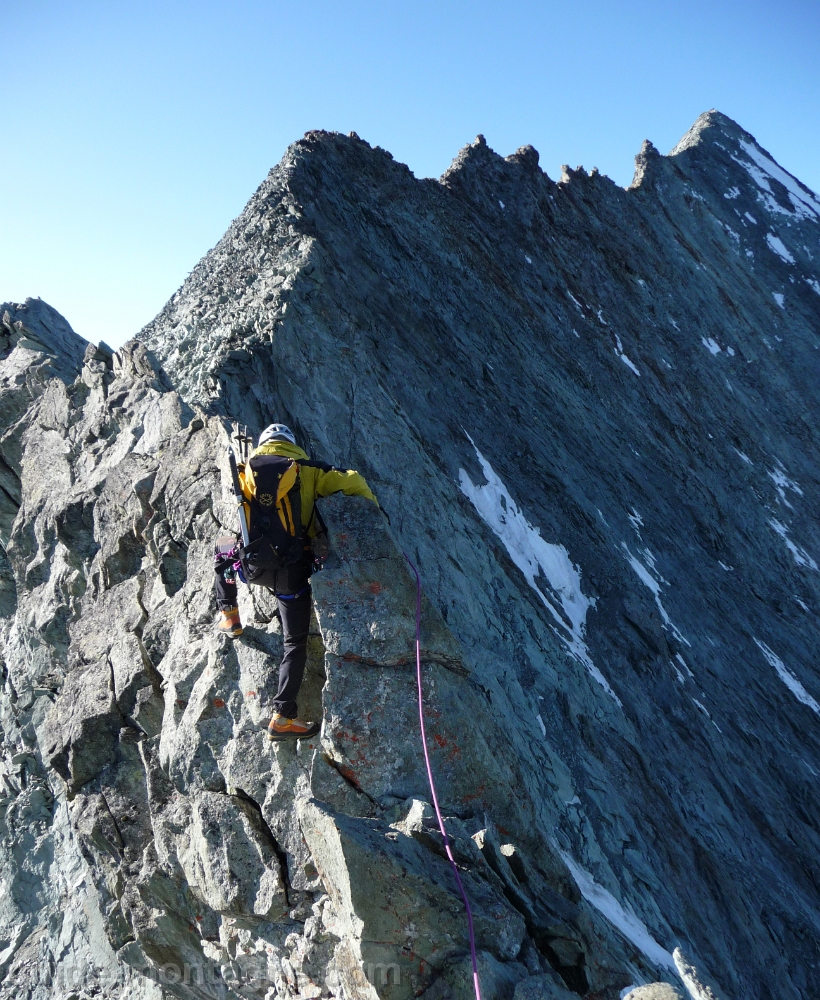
column 279, row 553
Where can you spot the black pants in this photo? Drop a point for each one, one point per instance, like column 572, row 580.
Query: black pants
column 294, row 611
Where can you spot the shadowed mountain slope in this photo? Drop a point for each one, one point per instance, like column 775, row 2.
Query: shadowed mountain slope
column 591, row 414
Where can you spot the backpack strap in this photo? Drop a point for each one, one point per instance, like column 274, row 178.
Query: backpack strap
column 246, row 480
column 284, row 508
column 320, row 521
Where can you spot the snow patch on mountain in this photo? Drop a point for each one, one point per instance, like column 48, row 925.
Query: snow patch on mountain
column 764, row 170
column 646, row 577
column 777, row 246
column 536, row 559
column 801, row 557
column 788, row 678
column 622, row 917
column 619, row 350
column 783, row 483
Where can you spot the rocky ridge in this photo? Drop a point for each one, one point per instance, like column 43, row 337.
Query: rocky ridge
column 589, row 413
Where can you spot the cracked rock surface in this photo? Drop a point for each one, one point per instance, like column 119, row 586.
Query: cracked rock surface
column 591, row 415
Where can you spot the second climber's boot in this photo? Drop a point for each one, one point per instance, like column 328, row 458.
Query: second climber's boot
column 281, row 728
column 229, row 623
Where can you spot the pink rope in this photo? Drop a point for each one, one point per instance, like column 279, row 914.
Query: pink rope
column 439, row 817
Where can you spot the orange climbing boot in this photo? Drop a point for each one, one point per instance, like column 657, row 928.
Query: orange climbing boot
column 229, row 623
column 281, row 728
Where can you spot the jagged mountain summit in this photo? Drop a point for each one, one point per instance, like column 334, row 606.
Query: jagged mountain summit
column 591, row 414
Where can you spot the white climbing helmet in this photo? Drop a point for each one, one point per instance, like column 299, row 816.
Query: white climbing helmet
column 276, row 432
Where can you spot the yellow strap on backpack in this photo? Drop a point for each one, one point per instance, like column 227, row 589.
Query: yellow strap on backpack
column 246, row 481
column 283, row 507
column 286, row 481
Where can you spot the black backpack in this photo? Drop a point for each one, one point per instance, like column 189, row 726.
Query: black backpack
column 276, row 538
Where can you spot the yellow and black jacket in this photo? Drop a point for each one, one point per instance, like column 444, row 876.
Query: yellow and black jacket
column 316, row 479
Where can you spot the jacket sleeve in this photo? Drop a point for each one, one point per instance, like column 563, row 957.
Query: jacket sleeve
column 339, row 481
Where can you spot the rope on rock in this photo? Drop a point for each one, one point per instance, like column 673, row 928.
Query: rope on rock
column 439, row 817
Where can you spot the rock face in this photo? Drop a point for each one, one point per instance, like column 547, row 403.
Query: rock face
column 591, row 415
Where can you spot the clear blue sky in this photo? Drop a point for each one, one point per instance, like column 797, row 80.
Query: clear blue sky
column 132, row 133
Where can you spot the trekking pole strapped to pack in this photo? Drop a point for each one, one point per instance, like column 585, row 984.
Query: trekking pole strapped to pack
column 244, row 440
column 240, row 497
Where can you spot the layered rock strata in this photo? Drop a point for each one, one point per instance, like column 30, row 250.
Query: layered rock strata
column 177, row 851
column 589, row 413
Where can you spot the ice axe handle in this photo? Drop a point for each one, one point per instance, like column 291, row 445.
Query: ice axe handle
column 240, row 497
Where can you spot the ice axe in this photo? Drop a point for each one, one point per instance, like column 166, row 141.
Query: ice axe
column 240, row 497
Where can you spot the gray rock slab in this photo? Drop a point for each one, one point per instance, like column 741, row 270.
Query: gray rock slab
column 543, row 987
column 588, row 412
column 401, row 904
column 655, row 991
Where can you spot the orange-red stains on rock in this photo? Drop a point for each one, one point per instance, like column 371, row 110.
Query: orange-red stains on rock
column 454, row 750
column 478, row 794
column 349, row 775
